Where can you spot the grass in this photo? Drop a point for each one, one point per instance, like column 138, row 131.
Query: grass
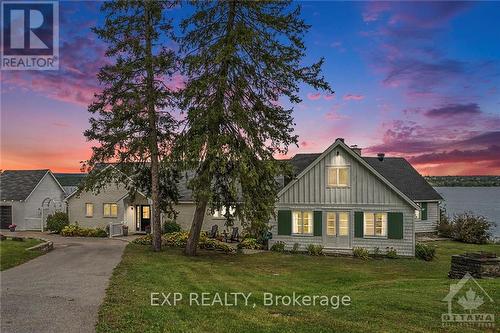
column 13, row 253
column 388, row 295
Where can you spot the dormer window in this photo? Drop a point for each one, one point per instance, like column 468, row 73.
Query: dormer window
column 338, row 176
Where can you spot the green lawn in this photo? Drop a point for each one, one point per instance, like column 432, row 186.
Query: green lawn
column 402, row 295
column 13, row 253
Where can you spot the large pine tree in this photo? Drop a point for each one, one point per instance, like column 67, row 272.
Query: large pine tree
column 241, row 58
column 130, row 119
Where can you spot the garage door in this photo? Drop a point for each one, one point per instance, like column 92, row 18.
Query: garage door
column 5, row 216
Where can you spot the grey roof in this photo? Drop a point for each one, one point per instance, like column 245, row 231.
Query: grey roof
column 401, row 174
column 18, row 184
column 301, row 161
column 70, row 179
column 398, row 171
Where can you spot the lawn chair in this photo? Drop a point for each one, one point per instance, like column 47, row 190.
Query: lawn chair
column 235, row 236
column 214, row 231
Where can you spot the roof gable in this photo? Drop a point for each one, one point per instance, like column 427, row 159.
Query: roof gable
column 355, row 157
column 17, row 185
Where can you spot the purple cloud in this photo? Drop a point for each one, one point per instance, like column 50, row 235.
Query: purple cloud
column 452, row 110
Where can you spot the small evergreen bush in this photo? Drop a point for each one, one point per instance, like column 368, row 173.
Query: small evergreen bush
column 391, row 253
column 57, row 221
column 315, row 250
column 170, row 227
column 278, row 247
column 425, row 252
column 361, row 253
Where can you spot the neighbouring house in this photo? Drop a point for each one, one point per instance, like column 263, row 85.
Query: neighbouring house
column 113, row 204
column 70, row 181
column 27, row 197
column 342, row 200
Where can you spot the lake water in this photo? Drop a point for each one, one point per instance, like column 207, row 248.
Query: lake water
column 480, row 200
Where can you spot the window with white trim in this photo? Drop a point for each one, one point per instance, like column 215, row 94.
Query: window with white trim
column 110, row 210
column 302, row 222
column 89, row 210
column 340, row 229
column 343, row 224
column 375, row 224
column 331, row 224
column 338, row 176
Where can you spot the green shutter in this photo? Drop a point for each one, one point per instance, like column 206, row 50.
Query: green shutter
column 318, row 223
column 358, row 224
column 284, row 222
column 424, row 211
column 395, row 225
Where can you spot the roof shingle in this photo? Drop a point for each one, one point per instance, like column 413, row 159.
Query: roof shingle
column 18, row 184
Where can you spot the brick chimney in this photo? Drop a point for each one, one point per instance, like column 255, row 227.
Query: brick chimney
column 380, row 156
column 356, row 149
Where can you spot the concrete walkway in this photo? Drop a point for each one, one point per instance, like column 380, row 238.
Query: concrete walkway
column 60, row 291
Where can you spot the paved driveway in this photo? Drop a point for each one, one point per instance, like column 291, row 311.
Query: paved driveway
column 60, row 291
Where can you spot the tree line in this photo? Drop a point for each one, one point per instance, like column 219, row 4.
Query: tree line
column 239, row 61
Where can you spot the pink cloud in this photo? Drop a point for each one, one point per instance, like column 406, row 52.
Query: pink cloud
column 314, row 96
column 329, row 97
column 353, row 97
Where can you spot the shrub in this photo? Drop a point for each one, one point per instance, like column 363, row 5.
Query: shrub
column 391, row 253
column 295, row 248
column 361, row 253
column 250, row 243
column 315, row 250
column 425, row 252
column 57, row 221
column 278, row 247
column 177, row 239
column 74, row 230
column 170, row 227
column 213, row 244
column 470, row 228
column 376, row 252
column 445, row 227
column 144, row 240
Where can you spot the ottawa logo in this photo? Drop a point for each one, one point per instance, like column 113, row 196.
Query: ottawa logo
column 470, row 296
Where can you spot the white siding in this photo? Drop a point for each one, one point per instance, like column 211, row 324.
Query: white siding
column 47, row 188
column 429, row 225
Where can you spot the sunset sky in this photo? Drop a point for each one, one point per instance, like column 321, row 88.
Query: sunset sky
column 418, row 80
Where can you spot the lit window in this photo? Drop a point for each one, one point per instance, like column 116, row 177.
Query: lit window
column 338, row 176
column 110, row 210
column 220, row 214
column 89, row 209
column 417, row 214
column 343, row 224
column 375, row 224
column 302, row 222
column 331, row 224
column 146, row 212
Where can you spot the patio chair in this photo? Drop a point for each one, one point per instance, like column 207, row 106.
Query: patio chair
column 214, row 231
column 235, row 236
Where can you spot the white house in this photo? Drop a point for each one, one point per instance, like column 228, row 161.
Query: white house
column 27, row 197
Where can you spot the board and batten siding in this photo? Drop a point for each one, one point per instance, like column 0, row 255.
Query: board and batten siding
column 366, row 193
column 429, row 225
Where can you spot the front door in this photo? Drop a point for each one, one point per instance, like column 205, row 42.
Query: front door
column 143, row 217
column 336, row 229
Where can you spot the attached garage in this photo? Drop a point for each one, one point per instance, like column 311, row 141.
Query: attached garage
column 5, row 216
column 27, row 197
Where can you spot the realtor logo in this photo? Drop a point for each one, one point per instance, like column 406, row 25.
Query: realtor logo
column 30, row 35
column 469, row 296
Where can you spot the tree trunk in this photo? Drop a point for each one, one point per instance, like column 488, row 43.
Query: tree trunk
column 153, row 138
column 201, row 205
column 194, row 234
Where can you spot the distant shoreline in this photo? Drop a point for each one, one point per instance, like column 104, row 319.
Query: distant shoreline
column 463, row 181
